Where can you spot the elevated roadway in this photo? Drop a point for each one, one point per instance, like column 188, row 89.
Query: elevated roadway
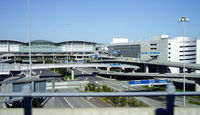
column 152, row 75
column 19, row 67
column 169, row 64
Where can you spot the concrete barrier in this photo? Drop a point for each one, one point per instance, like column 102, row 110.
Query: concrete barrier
column 99, row 111
column 72, row 84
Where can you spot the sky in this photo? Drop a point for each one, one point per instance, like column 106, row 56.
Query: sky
column 97, row 20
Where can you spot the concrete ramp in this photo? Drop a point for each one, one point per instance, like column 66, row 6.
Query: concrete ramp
column 71, row 84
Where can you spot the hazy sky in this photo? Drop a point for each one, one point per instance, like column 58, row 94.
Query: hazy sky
column 97, row 20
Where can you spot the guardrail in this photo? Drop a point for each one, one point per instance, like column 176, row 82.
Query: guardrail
column 170, row 94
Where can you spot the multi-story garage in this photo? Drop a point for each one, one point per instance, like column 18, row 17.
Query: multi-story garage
column 162, row 48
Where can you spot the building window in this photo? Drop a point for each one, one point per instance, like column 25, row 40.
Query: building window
column 169, row 53
column 188, row 46
column 188, row 51
column 153, row 44
column 153, row 48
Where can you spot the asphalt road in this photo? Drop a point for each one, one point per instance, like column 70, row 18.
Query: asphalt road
column 68, row 102
column 63, row 102
column 45, row 73
column 117, row 85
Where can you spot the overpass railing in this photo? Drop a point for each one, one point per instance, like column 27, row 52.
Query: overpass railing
column 170, row 94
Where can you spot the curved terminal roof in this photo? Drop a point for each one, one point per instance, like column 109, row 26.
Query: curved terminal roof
column 49, row 42
column 41, row 42
column 12, row 41
column 77, row 41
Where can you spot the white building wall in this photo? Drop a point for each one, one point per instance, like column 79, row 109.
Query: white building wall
column 176, row 49
column 145, row 50
column 14, row 48
column 119, row 40
column 3, row 48
column 9, row 47
column 170, row 49
column 78, row 48
column 173, row 53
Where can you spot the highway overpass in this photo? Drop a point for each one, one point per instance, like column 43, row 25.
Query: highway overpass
column 19, row 67
column 168, row 64
column 6, row 68
column 152, row 75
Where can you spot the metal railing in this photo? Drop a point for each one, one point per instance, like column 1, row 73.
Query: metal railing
column 27, row 95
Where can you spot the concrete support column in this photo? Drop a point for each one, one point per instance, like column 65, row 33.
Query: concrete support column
column 189, row 70
column 146, row 68
column 72, row 73
column 7, row 90
column 133, row 70
column 53, row 88
column 108, row 69
column 110, row 77
column 67, row 69
column 7, row 87
column 197, row 71
column 14, row 59
column 32, row 86
column 53, row 85
column 197, row 85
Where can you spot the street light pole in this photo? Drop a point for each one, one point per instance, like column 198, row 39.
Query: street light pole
column 29, row 35
column 183, row 19
column 53, row 57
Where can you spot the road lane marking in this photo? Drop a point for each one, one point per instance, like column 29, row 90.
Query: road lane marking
column 68, row 102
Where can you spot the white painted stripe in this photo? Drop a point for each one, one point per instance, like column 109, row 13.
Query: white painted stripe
column 68, row 102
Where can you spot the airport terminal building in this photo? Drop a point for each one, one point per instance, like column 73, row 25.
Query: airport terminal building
column 47, row 48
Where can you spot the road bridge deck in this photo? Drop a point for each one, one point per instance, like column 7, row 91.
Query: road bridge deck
column 19, row 67
column 170, row 64
column 152, row 75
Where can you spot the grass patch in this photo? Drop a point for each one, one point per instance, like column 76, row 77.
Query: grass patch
column 114, row 101
column 179, row 90
column 194, row 102
column 116, row 69
column 155, row 88
column 195, row 97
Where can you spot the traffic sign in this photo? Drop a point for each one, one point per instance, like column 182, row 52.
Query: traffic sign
column 146, row 82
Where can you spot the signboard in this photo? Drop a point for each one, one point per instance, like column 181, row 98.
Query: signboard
column 144, row 53
column 153, row 82
column 80, row 61
column 117, row 51
column 95, row 56
column 69, row 61
column 154, row 52
column 115, row 64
